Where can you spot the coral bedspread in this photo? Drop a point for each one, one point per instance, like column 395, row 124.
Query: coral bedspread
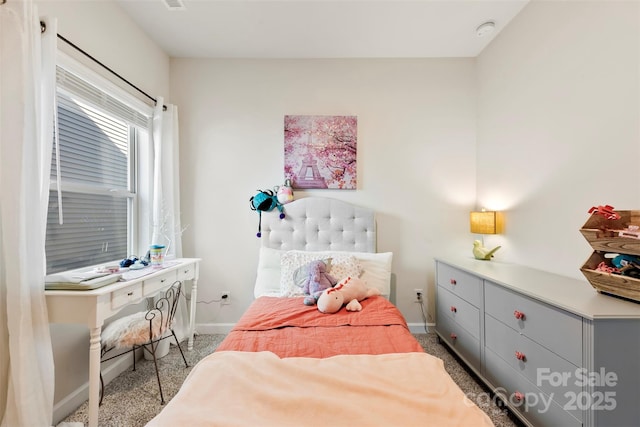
column 286, row 364
column 288, row 328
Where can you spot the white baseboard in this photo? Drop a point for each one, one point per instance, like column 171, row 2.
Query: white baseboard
column 214, row 328
column 72, row 401
column 418, row 328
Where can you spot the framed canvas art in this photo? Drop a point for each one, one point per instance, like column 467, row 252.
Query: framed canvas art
column 320, row 151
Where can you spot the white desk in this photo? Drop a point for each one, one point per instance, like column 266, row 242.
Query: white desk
column 93, row 307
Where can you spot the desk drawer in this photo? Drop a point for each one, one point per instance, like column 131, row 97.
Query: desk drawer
column 553, row 328
column 124, row 296
column 459, row 311
column 151, row 286
column 539, row 365
column 461, row 341
column 535, row 405
column 458, row 282
column 187, row 272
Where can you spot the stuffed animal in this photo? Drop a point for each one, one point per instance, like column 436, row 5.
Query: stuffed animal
column 265, row 201
column 313, row 279
column 349, row 291
column 285, row 193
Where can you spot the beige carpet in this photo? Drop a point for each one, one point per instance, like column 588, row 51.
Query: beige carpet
column 132, row 399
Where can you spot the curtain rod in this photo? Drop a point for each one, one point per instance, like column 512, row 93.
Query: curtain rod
column 43, row 28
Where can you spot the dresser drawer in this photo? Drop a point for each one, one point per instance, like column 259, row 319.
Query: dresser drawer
column 535, row 406
column 460, row 283
column 552, row 327
column 465, row 344
column 458, row 311
column 124, row 296
column 151, row 286
column 187, row 272
column 539, row 365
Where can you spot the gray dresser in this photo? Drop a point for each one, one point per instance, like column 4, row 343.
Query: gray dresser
column 557, row 352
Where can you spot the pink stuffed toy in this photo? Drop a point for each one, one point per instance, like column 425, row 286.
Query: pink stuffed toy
column 349, row 291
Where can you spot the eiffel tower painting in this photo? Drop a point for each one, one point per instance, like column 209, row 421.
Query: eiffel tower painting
column 320, row 151
column 309, row 175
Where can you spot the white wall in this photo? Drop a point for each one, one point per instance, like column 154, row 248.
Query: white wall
column 558, row 126
column 416, row 160
column 104, row 31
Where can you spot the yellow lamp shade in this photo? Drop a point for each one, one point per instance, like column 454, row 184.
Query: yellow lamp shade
column 486, row 222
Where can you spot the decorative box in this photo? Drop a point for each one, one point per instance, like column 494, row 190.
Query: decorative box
column 612, row 236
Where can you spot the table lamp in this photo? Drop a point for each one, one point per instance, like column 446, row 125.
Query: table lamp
column 485, row 222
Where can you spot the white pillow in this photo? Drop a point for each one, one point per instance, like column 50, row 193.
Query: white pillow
column 376, row 270
column 342, row 264
column 268, row 274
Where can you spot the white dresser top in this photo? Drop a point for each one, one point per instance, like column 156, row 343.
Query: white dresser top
column 573, row 295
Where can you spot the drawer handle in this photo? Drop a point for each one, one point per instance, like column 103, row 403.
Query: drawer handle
column 519, row 315
column 455, row 310
column 520, row 356
column 453, row 281
column 129, row 293
column 453, row 336
column 519, row 396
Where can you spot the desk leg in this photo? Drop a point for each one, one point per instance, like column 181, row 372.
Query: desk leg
column 192, row 312
column 94, row 375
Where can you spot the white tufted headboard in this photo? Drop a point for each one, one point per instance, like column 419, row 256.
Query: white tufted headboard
column 319, row 223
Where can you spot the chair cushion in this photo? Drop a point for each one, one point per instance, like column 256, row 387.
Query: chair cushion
column 131, row 330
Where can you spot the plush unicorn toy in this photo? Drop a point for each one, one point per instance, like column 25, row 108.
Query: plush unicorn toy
column 349, row 291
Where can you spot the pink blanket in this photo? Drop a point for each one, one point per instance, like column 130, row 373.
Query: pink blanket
column 238, row 389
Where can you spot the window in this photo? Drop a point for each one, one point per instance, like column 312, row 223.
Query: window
column 99, row 139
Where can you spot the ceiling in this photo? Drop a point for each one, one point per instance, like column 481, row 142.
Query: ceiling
column 321, row 28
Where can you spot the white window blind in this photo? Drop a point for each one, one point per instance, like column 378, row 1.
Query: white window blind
column 101, row 98
column 93, row 146
column 97, row 157
column 94, row 231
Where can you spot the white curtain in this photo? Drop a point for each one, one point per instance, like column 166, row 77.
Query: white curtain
column 27, row 93
column 167, row 227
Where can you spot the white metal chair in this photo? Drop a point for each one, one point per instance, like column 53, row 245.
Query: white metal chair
column 144, row 330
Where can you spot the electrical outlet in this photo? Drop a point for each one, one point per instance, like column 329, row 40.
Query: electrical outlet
column 419, row 295
column 225, row 298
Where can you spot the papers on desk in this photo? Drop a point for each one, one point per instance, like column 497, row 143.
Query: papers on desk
column 85, row 280
column 134, row 274
column 79, row 281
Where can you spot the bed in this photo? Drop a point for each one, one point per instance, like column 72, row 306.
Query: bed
column 287, row 364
